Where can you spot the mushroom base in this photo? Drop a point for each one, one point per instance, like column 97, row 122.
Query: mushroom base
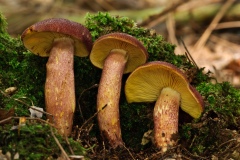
column 59, row 86
column 166, row 118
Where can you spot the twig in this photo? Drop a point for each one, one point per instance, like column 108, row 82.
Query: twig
column 224, row 42
column 228, row 150
column 105, row 5
column 6, row 95
column 226, row 142
column 157, row 18
column 95, row 114
column 69, row 146
column 201, row 42
column 79, row 98
column 104, row 150
column 59, row 145
column 5, row 120
column 76, row 157
column 28, row 118
column 129, row 152
column 18, row 100
column 188, row 55
column 171, row 27
column 193, row 155
column 224, row 25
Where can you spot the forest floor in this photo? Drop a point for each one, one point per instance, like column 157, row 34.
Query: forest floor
column 207, row 29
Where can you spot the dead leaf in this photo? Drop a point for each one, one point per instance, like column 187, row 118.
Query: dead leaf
column 4, row 114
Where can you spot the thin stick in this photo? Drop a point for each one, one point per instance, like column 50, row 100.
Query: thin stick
column 69, row 146
column 155, row 19
column 6, row 119
column 224, row 25
column 224, row 42
column 95, row 114
column 33, row 107
column 18, row 100
column 188, row 55
column 202, row 41
column 231, row 140
column 79, row 98
column 129, row 152
column 28, row 118
column 193, row 155
column 59, row 145
column 171, row 27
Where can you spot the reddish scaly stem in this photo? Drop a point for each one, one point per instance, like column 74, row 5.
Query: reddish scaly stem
column 59, row 86
column 109, row 94
column 166, row 118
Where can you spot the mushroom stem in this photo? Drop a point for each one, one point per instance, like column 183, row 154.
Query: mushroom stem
column 166, row 118
column 59, row 86
column 109, row 94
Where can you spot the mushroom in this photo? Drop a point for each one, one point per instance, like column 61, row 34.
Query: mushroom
column 168, row 86
column 60, row 39
column 116, row 54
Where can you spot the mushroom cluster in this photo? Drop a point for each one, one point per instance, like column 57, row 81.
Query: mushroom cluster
column 168, row 86
column 60, row 39
column 116, row 54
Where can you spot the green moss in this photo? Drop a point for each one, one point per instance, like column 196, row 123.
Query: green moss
column 35, row 141
column 136, row 119
column 20, row 68
column 222, row 98
column 221, row 115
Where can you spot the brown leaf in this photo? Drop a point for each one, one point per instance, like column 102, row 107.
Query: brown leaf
column 4, row 114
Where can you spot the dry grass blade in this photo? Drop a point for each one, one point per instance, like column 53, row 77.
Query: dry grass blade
column 95, row 114
column 201, row 42
column 129, row 152
column 224, row 42
column 28, row 118
column 224, row 25
column 59, row 145
column 79, row 98
column 155, row 19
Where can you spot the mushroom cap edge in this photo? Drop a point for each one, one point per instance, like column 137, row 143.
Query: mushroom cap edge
column 38, row 38
column 137, row 53
column 146, row 82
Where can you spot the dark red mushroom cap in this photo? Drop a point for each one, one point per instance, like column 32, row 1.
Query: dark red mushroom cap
column 39, row 37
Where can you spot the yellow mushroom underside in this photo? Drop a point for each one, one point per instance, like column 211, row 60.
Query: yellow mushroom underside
column 148, row 83
column 102, row 49
column 40, row 43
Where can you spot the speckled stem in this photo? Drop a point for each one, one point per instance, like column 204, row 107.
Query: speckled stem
column 166, row 118
column 109, row 94
column 59, row 86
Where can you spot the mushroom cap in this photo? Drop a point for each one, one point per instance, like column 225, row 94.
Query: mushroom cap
column 146, row 82
column 39, row 37
column 137, row 54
